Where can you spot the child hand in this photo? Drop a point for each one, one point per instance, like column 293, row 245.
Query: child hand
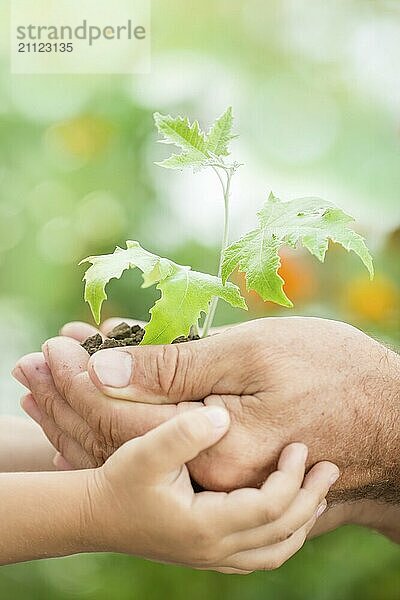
column 142, row 501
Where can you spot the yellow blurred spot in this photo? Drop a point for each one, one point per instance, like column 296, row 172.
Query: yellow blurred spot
column 373, row 300
column 83, row 137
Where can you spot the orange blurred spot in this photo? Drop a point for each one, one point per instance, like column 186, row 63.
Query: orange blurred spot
column 300, row 283
column 374, row 300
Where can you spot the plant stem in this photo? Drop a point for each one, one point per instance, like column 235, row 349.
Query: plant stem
column 226, row 188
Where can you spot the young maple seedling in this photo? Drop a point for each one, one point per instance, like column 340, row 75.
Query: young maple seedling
column 187, row 294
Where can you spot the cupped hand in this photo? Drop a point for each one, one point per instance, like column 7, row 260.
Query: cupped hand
column 142, row 502
column 282, row 379
column 83, row 424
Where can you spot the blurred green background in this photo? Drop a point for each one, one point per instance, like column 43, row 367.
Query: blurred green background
column 315, row 89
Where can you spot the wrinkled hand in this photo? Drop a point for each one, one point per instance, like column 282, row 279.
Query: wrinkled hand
column 282, row 379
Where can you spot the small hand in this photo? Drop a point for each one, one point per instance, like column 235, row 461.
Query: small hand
column 144, row 502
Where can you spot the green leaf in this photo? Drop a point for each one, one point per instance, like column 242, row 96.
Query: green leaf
column 311, row 221
column 184, row 296
column 162, row 269
column 198, row 149
column 180, row 161
column 187, row 136
column 110, row 266
column 220, row 134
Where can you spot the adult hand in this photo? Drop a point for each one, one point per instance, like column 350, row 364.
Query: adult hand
column 282, row 380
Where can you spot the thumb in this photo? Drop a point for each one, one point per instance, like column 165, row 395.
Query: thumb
column 169, row 374
column 174, row 443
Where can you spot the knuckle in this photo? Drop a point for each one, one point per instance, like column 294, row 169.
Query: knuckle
column 79, row 432
column 206, row 544
column 207, row 556
column 100, row 434
column 98, row 451
column 47, row 406
column 272, row 512
column 64, row 384
column 113, row 431
column 172, row 366
column 61, row 442
column 283, row 534
column 95, row 446
column 79, row 388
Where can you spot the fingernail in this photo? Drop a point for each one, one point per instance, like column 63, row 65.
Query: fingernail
column 219, row 417
column 61, row 464
column 321, row 508
column 334, row 478
column 19, row 375
column 113, row 368
column 28, row 404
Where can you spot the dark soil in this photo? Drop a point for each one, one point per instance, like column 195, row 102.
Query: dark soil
column 124, row 335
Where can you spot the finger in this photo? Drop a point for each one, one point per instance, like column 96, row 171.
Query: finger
column 67, row 361
column 249, row 508
column 165, row 449
column 30, row 407
column 39, row 377
column 97, row 424
column 61, row 464
column 309, row 502
column 70, row 360
column 72, row 451
column 78, row 330
column 113, row 421
column 172, row 373
column 270, row 557
column 60, row 417
column 124, row 420
column 18, row 374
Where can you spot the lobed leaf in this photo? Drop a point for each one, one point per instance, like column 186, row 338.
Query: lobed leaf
column 220, row 134
column 198, row 149
column 311, row 221
column 185, row 294
column 111, row 266
column 187, row 136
